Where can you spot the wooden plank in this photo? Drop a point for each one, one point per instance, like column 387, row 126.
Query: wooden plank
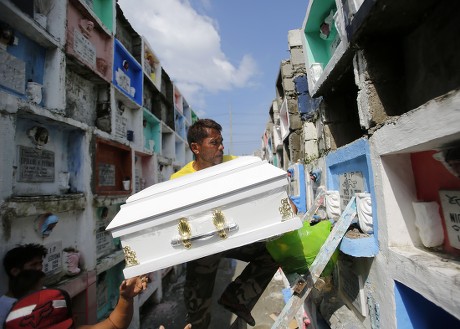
column 304, row 287
column 319, row 200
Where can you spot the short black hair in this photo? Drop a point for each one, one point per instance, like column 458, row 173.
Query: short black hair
column 197, row 131
column 22, row 254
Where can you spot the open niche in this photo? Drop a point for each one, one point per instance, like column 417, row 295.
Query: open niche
column 113, row 168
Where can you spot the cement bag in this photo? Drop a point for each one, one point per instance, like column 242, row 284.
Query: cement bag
column 295, row 251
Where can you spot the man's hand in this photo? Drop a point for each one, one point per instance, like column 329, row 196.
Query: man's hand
column 132, row 287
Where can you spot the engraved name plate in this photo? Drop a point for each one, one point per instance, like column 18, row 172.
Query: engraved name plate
column 35, row 166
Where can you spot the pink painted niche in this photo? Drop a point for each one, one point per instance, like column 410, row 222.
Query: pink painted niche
column 88, row 41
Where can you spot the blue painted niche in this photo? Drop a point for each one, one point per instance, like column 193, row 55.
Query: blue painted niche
column 413, row 311
column 127, row 73
column 351, row 158
column 30, row 53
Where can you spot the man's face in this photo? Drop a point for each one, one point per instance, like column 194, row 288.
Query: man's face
column 211, row 150
column 34, row 264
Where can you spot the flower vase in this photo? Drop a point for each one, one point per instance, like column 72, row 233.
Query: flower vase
column 126, row 185
column 71, row 259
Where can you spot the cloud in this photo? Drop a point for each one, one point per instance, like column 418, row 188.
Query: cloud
column 189, row 47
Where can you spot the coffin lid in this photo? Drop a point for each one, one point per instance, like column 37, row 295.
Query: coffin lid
column 184, row 192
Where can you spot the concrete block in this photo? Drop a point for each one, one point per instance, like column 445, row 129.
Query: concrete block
column 292, row 105
column 286, row 69
column 311, row 149
column 295, row 38
column 294, row 140
column 297, row 57
column 370, row 108
column 295, row 146
column 295, row 123
column 329, row 139
column 309, row 131
column 288, row 85
column 377, row 110
column 363, row 110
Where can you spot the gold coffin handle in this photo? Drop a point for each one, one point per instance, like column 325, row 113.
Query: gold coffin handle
column 185, row 237
column 218, row 219
column 130, row 256
column 285, row 210
column 185, row 232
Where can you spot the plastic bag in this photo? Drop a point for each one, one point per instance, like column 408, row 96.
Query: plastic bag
column 295, row 251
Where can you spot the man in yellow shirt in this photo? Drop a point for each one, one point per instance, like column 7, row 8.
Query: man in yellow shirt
column 205, row 140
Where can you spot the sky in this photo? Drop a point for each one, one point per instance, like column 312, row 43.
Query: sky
column 223, row 55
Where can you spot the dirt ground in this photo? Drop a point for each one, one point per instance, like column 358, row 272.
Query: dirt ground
column 171, row 311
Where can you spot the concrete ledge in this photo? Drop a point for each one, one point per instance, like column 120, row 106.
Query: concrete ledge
column 361, row 247
column 105, row 263
column 433, row 275
column 78, row 284
column 34, row 205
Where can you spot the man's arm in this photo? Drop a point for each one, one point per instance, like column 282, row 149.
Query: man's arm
column 121, row 316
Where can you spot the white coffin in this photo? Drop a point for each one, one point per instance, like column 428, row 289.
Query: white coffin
column 170, row 223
